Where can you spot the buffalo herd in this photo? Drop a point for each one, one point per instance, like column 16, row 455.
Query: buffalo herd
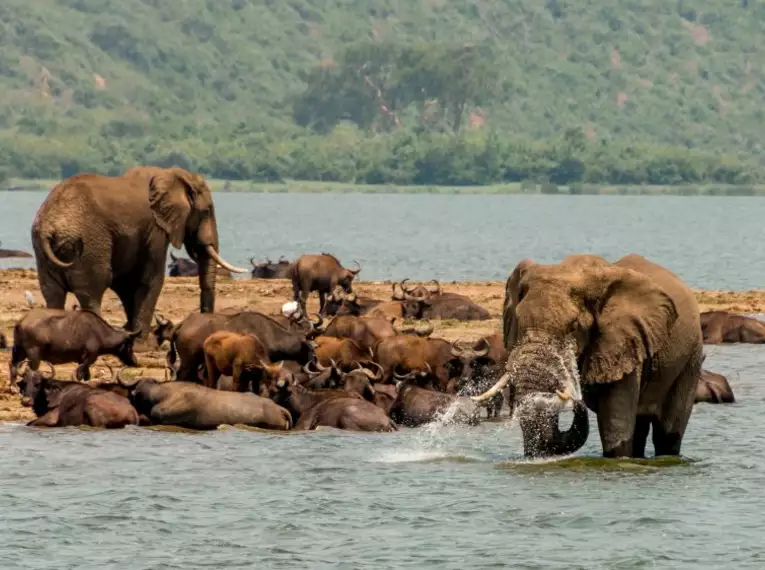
column 358, row 364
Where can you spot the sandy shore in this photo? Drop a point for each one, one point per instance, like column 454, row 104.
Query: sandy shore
column 181, row 296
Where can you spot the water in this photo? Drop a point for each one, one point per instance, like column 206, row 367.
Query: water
column 428, row 498
column 710, row 242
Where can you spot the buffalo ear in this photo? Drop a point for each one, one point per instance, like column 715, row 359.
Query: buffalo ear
column 512, row 286
column 633, row 318
column 171, row 195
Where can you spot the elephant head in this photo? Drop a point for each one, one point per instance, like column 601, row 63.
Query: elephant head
column 182, row 206
column 582, row 322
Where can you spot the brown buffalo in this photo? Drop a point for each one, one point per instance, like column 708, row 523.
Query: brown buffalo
column 719, row 327
column 8, row 253
column 241, row 356
column 415, row 406
column 185, row 267
column 58, row 403
column 59, row 337
column 429, row 360
column 342, row 351
column 282, row 269
column 368, row 331
column 330, row 408
column 322, row 273
column 713, row 388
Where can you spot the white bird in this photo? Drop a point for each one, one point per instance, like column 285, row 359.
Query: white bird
column 30, row 298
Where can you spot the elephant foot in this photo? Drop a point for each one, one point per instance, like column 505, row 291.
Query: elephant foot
column 146, row 343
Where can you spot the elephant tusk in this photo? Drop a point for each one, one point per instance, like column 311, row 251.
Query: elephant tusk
column 224, row 264
column 494, row 390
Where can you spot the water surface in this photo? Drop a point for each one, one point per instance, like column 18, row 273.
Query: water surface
column 429, row 498
column 711, row 242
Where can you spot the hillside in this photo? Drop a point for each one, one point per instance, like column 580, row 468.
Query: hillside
column 217, row 85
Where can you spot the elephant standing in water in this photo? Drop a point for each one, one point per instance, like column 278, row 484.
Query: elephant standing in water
column 623, row 338
column 94, row 233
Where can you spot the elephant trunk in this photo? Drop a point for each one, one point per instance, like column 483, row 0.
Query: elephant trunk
column 542, row 437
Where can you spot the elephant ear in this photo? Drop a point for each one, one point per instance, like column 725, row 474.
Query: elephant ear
column 171, row 196
column 633, row 319
column 512, row 290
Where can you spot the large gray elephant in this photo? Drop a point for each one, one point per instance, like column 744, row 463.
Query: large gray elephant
column 94, row 233
column 623, row 338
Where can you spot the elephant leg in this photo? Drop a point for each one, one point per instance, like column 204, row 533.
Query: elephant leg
column 669, row 427
column 53, row 291
column 640, row 435
column 90, row 300
column 617, row 415
column 145, row 297
column 125, row 294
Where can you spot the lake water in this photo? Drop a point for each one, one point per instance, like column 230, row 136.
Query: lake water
column 430, row 498
column 710, row 242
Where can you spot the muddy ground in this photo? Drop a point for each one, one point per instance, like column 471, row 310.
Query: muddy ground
column 181, row 296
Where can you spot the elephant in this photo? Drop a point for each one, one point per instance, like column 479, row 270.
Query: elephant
column 621, row 339
column 95, row 232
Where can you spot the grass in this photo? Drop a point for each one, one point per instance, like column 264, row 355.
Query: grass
column 312, row 187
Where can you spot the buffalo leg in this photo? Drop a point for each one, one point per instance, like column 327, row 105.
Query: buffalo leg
column 212, row 372
column 83, row 370
column 322, row 303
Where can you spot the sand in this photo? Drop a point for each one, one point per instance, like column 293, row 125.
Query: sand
column 180, row 296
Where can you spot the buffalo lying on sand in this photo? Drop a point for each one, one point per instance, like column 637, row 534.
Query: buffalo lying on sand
column 435, row 304
column 282, row 269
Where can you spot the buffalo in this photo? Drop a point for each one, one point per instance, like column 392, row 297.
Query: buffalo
column 430, row 360
column 60, row 336
column 368, row 331
column 481, row 366
column 424, row 303
column 323, row 274
column 415, row 406
column 282, row 269
column 719, row 327
column 341, row 303
column 713, row 388
column 197, row 407
column 58, row 403
column 191, row 333
column 241, row 356
column 184, row 267
column 8, row 253
column 343, row 351
column 330, row 408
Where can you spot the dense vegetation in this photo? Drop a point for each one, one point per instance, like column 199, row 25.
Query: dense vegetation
column 455, row 92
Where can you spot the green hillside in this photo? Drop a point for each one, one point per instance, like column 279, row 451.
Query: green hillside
column 400, row 91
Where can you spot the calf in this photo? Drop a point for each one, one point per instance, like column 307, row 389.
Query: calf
column 58, row 403
column 241, row 356
column 322, row 273
column 342, row 351
column 59, row 336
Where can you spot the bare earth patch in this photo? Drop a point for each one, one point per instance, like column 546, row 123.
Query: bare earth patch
column 181, row 297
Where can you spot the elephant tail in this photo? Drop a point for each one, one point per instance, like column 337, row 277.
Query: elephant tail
column 49, row 253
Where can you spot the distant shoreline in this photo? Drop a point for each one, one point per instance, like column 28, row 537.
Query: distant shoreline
column 516, row 188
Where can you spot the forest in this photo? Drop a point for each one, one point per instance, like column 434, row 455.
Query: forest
column 424, row 92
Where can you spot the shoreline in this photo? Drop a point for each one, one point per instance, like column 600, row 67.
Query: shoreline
column 180, row 296
column 527, row 188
